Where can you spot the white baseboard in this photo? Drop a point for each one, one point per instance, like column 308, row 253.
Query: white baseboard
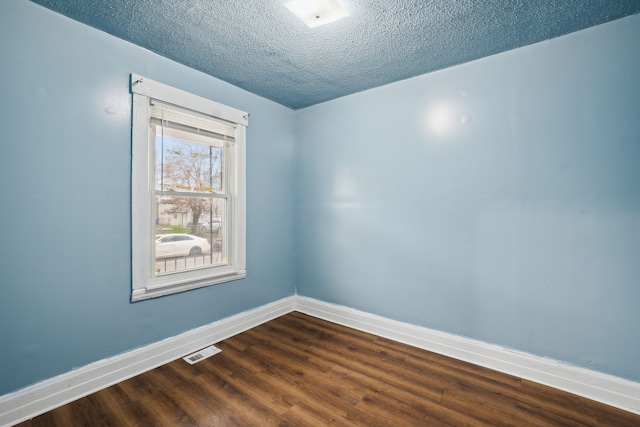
column 62, row 389
column 607, row 389
column 57, row 391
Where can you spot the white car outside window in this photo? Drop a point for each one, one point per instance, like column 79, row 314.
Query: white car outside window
column 179, row 245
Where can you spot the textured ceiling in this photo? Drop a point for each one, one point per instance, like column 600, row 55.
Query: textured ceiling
column 260, row 46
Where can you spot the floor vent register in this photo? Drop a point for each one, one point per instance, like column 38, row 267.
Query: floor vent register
column 201, row 354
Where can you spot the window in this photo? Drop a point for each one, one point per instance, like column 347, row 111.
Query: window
column 188, row 190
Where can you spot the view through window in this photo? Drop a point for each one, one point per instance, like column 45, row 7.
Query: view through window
column 190, row 200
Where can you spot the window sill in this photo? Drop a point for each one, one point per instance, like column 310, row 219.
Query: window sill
column 141, row 294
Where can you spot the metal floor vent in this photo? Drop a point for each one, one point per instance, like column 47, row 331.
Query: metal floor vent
column 201, row 354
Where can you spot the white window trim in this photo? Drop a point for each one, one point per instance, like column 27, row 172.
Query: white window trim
column 145, row 284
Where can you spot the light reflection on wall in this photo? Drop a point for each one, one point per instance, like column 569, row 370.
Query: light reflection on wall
column 441, row 119
column 345, row 189
column 444, row 117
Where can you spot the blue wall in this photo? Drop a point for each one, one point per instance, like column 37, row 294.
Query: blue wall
column 497, row 200
column 65, row 262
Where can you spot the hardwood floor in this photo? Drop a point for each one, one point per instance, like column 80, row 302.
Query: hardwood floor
column 301, row 371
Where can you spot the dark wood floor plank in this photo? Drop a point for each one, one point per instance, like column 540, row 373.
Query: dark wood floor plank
column 235, row 402
column 175, row 387
column 489, row 407
column 256, row 390
column 297, row 370
column 378, row 370
column 574, row 407
column 123, row 411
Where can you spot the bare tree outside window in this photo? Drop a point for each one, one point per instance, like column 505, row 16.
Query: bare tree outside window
column 185, row 171
column 189, row 167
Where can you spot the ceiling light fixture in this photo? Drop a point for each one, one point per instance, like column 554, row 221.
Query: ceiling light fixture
column 317, row 12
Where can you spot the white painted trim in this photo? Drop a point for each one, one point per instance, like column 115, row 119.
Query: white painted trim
column 57, row 391
column 607, row 389
column 62, row 389
column 156, row 90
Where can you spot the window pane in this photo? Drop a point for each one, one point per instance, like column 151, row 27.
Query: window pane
column 189, row 233
column 182, row 165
